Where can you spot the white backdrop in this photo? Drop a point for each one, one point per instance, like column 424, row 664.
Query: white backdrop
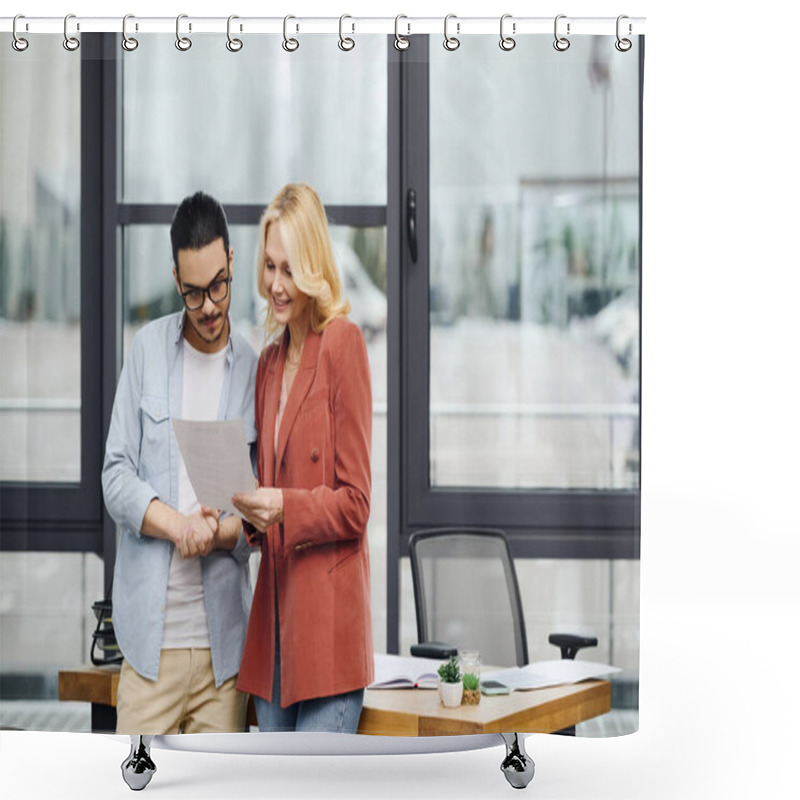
column 720, row 600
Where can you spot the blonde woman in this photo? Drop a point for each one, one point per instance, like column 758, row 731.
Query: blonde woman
column 308, row 652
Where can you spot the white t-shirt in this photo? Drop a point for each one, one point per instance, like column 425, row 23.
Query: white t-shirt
column 185, row 623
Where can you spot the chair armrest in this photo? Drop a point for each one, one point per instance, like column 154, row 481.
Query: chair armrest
column 433, row 650
column 570, row 643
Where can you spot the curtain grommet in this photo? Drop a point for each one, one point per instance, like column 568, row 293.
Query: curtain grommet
column 19, row 43
column 183, row 43
column 451, row 43
column 401, row 42
column 623, row 45
column 289, row 44
column 128, row 42
column 346, row 43
column 507, row 43
column 233, row 44
column 561, row 43
column 70, row 43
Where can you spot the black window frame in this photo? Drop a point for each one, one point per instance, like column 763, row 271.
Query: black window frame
column 556, row 524
column 70, row 517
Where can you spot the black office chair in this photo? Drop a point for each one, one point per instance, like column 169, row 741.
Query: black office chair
column 467, row 597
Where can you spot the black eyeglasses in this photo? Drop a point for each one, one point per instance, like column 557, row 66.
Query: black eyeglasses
column 217, row 291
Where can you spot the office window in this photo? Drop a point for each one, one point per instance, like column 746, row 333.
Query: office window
column 520, row 290
column 246, row 125
column 534, row 266
column 40, row 277
column 240, row 128
column 50, row 345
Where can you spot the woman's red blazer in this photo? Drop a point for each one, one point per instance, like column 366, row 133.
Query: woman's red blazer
column 316, row 563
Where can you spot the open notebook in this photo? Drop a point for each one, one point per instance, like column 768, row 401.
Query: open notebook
column 400, row 672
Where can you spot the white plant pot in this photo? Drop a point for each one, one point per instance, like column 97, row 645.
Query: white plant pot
column 450, row 693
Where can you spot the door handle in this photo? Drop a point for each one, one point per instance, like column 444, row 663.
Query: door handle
column 411, row 224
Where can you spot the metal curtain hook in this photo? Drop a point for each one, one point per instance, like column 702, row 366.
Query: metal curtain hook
column 128, row 42
column 507, row 42
column 70, row 42
column 183, row 43
column 623, row 45
column 400, row 42
column 18, row 43
column 561, row 43
column 289, row 45
column 451, row 42
column 346, row 43
column 233, row 44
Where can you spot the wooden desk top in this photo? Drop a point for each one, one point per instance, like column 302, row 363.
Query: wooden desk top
column 89, row 684
column 414, row 712
column 418, row 712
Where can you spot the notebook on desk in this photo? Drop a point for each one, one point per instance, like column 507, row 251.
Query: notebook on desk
column 400, row 672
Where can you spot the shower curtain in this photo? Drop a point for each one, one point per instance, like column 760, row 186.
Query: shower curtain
column 502, row 328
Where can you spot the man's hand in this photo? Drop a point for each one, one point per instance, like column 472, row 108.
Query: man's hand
column 198, row 533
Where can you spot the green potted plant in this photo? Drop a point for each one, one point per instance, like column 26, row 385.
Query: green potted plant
column 450, row 686
column 472, row 691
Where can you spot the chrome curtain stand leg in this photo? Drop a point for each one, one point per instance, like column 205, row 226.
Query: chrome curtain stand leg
column 517, row 766
column 138, row 768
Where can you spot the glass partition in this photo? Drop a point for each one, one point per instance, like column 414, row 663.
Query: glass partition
column 40, row 285
column 534, row 265
column 255, row 120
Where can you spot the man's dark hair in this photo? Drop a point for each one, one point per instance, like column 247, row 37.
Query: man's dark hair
column 198, row 221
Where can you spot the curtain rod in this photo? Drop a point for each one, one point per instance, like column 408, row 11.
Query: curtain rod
column 348, row 25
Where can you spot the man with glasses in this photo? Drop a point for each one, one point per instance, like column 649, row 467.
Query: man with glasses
column 181, row 596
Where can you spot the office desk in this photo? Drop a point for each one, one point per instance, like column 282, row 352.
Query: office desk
column 418, row 712
column 397, row 712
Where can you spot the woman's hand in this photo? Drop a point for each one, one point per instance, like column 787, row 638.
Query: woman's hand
column 261, row 508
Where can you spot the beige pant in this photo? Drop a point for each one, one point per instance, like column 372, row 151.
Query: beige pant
column 184, row 699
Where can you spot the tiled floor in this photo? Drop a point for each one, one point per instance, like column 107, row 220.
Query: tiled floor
column 45, row 715
column 52, row 715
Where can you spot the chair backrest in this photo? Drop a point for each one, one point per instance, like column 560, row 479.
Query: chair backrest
column 466, row 593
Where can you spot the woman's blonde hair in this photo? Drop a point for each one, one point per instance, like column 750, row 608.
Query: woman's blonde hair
column 307, row 241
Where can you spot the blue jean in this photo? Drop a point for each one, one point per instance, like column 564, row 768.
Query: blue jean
column 338, row 713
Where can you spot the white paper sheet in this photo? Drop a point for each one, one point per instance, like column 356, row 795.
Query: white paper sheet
column 550, row 673
column 217, row 460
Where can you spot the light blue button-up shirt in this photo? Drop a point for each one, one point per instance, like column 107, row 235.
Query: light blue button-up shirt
column 141, row 463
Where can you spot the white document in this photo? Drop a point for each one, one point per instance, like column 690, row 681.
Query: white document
column 550, row 673
column 217, row 460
